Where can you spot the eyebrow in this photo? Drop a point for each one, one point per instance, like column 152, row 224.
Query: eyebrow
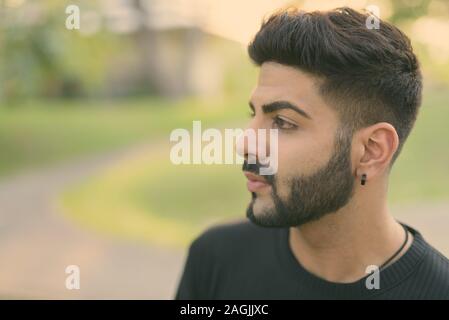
column 279, row 105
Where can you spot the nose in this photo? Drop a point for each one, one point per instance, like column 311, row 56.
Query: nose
column 254, row 144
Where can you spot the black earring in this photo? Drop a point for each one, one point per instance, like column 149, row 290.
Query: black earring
column 363, row 180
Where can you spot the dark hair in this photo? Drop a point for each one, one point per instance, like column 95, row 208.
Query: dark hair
column 369, row 75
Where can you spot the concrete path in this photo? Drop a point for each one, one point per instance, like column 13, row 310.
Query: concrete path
column 37, row 244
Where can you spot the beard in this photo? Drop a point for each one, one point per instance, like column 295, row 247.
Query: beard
column 311, row 197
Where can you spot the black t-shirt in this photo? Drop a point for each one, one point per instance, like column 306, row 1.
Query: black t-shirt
column 245, row 261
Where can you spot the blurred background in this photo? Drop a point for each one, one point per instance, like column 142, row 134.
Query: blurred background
column 85, row 119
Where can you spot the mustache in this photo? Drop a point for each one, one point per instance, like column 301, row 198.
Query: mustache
column 255, row 169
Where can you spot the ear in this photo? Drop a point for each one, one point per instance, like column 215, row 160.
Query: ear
column 374, row 149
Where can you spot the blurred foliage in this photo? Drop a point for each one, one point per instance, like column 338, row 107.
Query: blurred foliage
column 43, row 59
column 408, row 10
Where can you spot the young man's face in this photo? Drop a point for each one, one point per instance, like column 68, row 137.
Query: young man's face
column 314, row 175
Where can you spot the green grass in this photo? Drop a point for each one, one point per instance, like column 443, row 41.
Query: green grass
column 43, row 133
column 148, row 198
column 422, row 169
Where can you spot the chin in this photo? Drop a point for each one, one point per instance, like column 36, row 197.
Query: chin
column 262, row 204
column 261, row 211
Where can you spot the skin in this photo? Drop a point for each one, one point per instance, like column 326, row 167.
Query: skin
column 337, row 247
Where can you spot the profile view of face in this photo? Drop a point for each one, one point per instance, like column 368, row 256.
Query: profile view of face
column 315, row 175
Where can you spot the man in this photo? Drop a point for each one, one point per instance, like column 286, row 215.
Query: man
column 344, row 98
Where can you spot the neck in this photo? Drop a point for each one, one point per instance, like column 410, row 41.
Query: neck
column 341, row 245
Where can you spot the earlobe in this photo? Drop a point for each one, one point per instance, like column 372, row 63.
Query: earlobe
column 363, row 179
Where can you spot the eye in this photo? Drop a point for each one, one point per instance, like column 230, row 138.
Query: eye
column 283, row 124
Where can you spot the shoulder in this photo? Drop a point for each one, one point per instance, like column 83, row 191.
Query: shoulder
column 434, row 274
column 218, row 254
column 436, row 262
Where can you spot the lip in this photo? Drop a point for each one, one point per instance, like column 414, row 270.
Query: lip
column 255, row 183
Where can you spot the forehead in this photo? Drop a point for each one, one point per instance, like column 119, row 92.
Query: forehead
column 280, row 82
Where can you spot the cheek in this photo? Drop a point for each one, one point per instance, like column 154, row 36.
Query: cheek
column 301, row 155
column 293, row 161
